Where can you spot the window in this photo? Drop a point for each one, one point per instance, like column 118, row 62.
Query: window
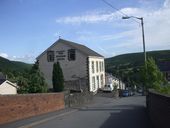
column 97, row 68
column 71, row 54
column 101, row 79
column 97, row 78
column 92, row 66
column 93, row 83
column 50, row 56
column 100, row 65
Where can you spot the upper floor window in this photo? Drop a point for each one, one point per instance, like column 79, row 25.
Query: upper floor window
column 71, row 54
column 100, row 66
column 50, row 56
column 92, row 66
column 97, row 67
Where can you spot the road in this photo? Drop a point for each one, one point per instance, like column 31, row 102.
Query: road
column 128, row 112
column 104, row 112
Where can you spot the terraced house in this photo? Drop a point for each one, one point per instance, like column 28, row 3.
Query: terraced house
column 82, row 67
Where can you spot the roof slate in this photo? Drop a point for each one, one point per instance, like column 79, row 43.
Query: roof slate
column 87, row 51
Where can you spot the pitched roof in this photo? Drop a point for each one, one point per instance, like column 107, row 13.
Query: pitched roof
column 85, row 50
column 8, row 82
column 164, row 66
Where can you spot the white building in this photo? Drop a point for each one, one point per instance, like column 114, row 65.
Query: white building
column 7, row 87
column 81, row 66
column 110, row 79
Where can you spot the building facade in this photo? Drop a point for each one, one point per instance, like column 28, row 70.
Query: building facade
column 7, row 87
column 82, row 67
column 117, row 83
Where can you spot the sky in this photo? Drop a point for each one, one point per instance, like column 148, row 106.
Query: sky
column 28, row 27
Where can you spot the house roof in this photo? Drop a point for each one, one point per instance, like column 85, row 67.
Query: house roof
column 164, row 66
column 8, row 82
column 85, row 50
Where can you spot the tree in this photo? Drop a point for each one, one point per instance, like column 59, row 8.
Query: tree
column 57, row 78
column 151, row 75
column 36, row 80
column 22, row 82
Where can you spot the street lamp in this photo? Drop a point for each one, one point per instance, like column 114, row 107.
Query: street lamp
column 143, row 36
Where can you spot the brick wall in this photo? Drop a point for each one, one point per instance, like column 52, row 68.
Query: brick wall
column 15, row 107
column 158, row 106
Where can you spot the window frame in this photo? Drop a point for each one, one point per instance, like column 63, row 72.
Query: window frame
column 50, row 56
column 92, row 67
column 71, row 54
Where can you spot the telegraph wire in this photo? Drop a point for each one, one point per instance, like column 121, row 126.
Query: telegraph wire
column 122, row 13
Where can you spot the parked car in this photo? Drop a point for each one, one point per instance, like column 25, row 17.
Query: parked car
column 108, row 88
column 140, row 90
column 125, row 93
column 131, row 93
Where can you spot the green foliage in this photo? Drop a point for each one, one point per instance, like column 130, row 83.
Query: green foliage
column 127, row 67
column 27, row 76
column 22, row 82
column 151, row 75
column 33, row 82
column 36, row 82
column 57, row 78
column 134, row 60
column 7, row 66
column 164, row 89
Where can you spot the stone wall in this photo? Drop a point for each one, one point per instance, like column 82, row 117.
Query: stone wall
column 158, row 106
column 80, row 84
column 15, row 107
column 76, row 99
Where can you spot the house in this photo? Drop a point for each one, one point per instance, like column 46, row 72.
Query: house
column 83, row 68
column 7, row 87
column 110, row 79
column 164, row 67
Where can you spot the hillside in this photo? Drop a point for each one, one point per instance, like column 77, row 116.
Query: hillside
column 134, row 60
column 7, row 65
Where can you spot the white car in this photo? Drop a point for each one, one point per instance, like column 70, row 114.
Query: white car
column 108, row 88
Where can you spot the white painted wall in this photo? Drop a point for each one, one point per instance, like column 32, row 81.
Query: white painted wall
column 8, row 88
column 70, row 68
column 96, row 74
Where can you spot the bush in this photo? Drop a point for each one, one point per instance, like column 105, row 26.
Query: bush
column 151, row 76
column 57, row 78
column 164, row 89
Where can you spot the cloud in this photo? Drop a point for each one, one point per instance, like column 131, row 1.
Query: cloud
column 25, row 58
column 4, row 55
column 90, row 17
column 166, row 3
column 126, row 34
column 97, row 16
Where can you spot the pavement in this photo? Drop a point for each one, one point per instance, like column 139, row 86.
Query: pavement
column 104, row 112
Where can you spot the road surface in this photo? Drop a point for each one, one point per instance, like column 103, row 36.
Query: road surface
column 104, row 112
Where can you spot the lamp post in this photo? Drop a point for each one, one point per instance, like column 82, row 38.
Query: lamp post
column 143, row 36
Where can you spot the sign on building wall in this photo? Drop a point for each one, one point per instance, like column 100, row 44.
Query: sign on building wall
column 60, row 55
